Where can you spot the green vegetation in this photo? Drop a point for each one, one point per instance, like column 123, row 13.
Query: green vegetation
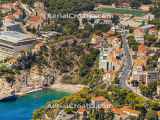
column 155, row 22
column 150, row 90
column 156, row 12
column 69, row 6
column 133, row 43
column 88, row 61
column 121, row 11
column 117, row 96
column 5, row 1
column 151, row 115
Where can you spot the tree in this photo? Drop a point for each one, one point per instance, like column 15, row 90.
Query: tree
column 1, row 23
column 115, row 19
column 69, row 6
column 110, row 115
column 156, row 12
column 151, row 115
column 105, row 1
column 135, row 4
column 146, row 1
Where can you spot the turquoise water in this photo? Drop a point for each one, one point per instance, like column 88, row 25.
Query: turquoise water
column 23, row 107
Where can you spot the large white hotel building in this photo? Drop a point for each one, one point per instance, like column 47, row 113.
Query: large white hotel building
column 12, row 42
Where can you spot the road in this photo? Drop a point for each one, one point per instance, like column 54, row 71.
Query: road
column 128, row 63
column 126, row 70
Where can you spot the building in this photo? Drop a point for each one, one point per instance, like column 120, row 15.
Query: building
column 12, row 42
column 149, row 17
column 153, row 31
column 158, row 90
column 139, row 35
column 125, row 112
column 142, row 51
column 111, row 59
column 83, row 115
column 34, row 22
column 158, row 114
column 101, row 102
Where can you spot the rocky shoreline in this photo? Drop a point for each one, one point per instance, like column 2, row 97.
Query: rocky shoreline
column 58, row 86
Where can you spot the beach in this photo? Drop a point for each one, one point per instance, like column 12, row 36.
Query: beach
column 67, row 87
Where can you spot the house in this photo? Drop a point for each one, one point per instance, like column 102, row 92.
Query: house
column 158, row 91
column 97, row 41
column 82, row 112
column 101, row 102
column 130, row 112
column 125, row 112
column 114, row 41
column 158, row 114
column 8, row 5
column 111, row 59
column 149, row 17
column 142, row 50
column 12, row 43
column 158, row 63
column 153, row 31
column 145, row 28
column 34, row 22
column 139, row 35
column 119, row 115
column 138, row 74
column 145, row 8
column 98, row 100
column 12, row 26
column 152, row 75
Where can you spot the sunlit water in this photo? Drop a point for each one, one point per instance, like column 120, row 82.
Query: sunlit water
column 23, row 107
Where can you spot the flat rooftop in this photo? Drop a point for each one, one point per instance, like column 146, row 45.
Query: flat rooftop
column 14, row 37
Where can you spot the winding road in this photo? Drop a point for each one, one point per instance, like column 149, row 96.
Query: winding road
column 126, row 70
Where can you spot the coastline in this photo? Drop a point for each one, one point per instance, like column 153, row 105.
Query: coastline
column 71, row 88
column 27, row 92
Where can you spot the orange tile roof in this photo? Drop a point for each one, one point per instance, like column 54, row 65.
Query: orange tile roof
column 17, row 13
column 142, row 48
column 99, row 98
column 81, row 110
column 139, row 31
column 127, row 109
column 158, row 113
column 35, row 18
column 117, row 111
column 119, row 50
column 153, row 30
column 7, row 5
column 140, row 62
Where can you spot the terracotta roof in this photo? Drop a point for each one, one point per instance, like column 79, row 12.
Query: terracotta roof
column 139, row 31
column 7, row 5
column 99, row 98
column 119, row 50
column 153, row 30
column 117, row 111
column 35, row 18
column 140, row 62
column 127, row 110
column 81, row 110
column 142, row 48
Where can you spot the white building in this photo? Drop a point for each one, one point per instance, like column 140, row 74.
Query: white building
column 12, row 42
